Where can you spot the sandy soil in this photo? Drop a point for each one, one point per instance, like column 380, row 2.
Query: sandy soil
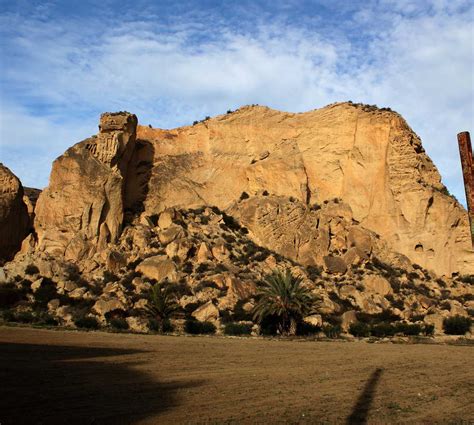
column 68, row 377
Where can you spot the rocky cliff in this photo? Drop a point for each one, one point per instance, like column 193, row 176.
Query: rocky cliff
column 367, row 157
column 345, row 197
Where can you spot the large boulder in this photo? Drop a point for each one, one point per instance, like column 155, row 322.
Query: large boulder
column 378, row 285
column 14, row 218
column 82, row 209
column 158, row 267
column 207, row 311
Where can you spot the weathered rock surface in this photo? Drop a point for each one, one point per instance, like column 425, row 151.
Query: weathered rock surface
column 82, row 209
column 14, row 219
column 369, row 158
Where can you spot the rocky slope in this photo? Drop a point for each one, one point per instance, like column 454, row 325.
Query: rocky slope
column 344, row 196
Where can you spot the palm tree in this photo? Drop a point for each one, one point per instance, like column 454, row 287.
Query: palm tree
column 283, row 297
column 161, row 303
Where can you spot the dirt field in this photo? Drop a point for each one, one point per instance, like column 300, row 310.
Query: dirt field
column 67, row 377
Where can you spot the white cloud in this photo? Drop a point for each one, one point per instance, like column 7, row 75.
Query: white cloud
column 417, row 59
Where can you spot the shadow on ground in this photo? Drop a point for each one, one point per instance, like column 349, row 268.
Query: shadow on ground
column 46, row 384
column 360, row 412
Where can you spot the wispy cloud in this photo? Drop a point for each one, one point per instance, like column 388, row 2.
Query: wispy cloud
column 414, row 56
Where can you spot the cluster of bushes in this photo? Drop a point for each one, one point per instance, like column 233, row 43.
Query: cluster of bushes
column 384, row 329
column 457, row 325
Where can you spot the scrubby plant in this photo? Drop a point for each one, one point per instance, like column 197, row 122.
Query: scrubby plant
column 283, row 296
column 47, row 320
column 197, row 328
column 9, row 296
column 428, row 329
column 162, row 302
column 457, row 325
column 45, row 293
column 359, row 329
column 24, row 317
column 313, row 272
column 237, row 329
column 382, row 330
column 408, row 329
column 332, row 331
column 118, row 323
column 306, row 329
column 31, row 269
column 87, row 322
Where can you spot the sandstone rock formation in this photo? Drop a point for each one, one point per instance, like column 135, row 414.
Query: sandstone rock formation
column 367, row 157
column 82, row 209
column 14, row 219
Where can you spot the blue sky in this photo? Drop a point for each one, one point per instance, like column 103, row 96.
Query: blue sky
column 64, row 62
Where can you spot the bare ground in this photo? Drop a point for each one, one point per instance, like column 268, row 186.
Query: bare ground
column 66, row 377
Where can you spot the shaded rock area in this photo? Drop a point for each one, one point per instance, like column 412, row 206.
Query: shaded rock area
column 14, row 218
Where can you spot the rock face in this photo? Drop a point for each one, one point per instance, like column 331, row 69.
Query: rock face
column 367, row 157
column 14, row 219
column 329, row 187
column 82, row 209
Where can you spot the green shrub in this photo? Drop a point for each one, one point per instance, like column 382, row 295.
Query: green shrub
column 87, row 322
column 164, row 327
column 359, row 329
column 457, row 325
column 408, row 329
column 306, row 329
column 118, row 323
column 47, row 320
column 332, row 331
column 9, row 296
column 237, row 329
column 428, row 329
column 24, row 317
column 202, row 268
column 8, row 316
column 196, row 328
column 45, row 293
column 382, row 330
column 31, row 269
column 468, row 278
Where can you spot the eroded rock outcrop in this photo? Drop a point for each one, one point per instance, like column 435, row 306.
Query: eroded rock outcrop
column 367, row 157
column 82, row 209
column 14, row 219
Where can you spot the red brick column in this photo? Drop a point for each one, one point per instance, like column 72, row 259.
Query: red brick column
column 467, row 162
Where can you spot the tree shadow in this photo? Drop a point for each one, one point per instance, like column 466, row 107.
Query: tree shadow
column 360, row 411
column 46, row 384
